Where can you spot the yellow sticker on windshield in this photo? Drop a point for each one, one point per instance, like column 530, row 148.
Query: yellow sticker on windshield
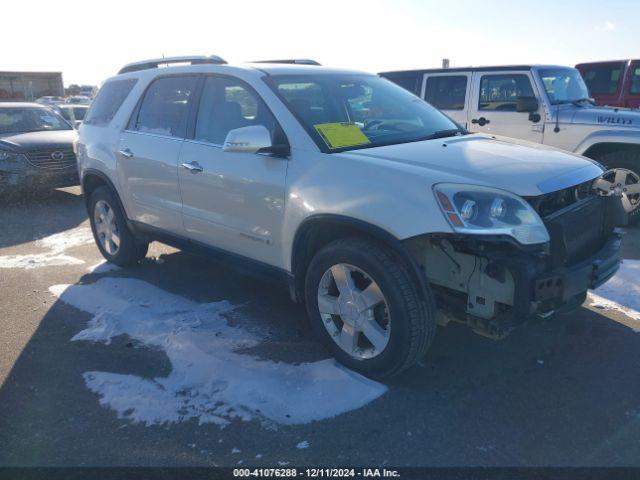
column 340, row 135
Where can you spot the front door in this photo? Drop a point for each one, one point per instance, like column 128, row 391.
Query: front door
column 493, row 106
column 233, row 201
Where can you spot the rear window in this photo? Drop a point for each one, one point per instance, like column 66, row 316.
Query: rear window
column 409, row 81
column 602, row 79
column 79, row 113
column 164, row 109
column 446, row 92
column 108, row 101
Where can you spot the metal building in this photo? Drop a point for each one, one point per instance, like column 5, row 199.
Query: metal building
column 28, row 86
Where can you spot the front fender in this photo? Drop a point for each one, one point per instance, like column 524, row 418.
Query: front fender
column 397, row 201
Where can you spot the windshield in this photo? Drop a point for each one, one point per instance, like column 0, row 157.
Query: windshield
column 346, row 112
column 30, row 119
column 563, row 85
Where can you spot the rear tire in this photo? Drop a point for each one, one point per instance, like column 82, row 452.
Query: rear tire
column 628, row 160
column 404, row 320
column 116, row 242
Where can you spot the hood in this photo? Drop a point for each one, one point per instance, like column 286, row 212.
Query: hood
column 30, row 141
column 520, row 167
column 601, row 116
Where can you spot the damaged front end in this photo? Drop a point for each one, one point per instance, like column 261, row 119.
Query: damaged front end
column 493, row 282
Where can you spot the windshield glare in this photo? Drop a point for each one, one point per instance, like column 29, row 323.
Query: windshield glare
column 346, row 112
column 25, row 119
column 564, row 85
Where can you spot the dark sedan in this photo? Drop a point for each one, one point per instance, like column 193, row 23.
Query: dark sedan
column 36, row 148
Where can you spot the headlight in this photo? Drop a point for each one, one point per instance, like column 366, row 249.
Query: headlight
column 490, row 211
column 11, row 159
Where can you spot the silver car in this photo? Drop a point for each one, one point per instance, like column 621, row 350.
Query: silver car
column 379, row 213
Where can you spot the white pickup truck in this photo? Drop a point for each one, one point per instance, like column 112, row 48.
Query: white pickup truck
column 543, row 104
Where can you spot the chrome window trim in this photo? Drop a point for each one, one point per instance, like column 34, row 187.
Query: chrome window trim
column 202, row 142
column 156, row 135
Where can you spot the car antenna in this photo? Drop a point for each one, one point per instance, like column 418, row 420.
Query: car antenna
column 557, row 128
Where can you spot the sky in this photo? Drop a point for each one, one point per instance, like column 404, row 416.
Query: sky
column 90, row 40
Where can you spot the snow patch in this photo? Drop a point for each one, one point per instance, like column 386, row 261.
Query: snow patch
column 622, row 292
column 210, row 381
column 55, row 246
column 103, row 267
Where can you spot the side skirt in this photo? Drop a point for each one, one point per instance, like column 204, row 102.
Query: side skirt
column 240, row 263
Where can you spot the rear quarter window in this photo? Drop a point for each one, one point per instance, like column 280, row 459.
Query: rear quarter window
column 108, row 101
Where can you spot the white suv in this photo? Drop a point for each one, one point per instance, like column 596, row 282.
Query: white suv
column 382, row 215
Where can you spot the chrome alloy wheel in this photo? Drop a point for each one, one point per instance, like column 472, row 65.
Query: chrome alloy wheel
column 354, row 311
column 106, row 228
column 622, row 183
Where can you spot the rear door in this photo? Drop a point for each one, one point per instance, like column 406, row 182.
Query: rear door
column 232, row 200
column 493, row 106
column 448, row 92
column 149, row 149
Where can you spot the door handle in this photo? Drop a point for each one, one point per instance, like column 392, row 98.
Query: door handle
column 125, row 152
column 480, row 121
column 193, row 167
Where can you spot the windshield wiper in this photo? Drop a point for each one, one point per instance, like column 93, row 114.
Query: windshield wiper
column 580, row 101
column 452, row 132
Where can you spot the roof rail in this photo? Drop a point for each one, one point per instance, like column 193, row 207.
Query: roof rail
column 296, row 61
column 156, row 62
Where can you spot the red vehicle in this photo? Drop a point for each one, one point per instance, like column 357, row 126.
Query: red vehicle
column 613, row 83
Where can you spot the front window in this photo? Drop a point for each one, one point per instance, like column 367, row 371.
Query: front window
column 226, row 104
column 563, row 85
column 347, row 112
column 23, row 120
column 501, row 92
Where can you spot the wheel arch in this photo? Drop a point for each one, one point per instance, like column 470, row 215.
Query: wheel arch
column 91, row 180
column 598, row 149
column 319, row 230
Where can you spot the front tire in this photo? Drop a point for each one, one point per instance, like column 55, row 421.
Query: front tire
column 628, row 179
column 366, row 307
column 114, row 239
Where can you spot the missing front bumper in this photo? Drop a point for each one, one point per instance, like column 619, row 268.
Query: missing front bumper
column 493, row 286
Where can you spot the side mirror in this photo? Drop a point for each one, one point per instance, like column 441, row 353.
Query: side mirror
column 527, row 104
column 253, row 139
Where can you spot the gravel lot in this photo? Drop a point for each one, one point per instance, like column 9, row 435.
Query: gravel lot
column 563, row 391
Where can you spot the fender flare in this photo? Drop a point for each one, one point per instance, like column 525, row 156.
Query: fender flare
column 608, row 136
